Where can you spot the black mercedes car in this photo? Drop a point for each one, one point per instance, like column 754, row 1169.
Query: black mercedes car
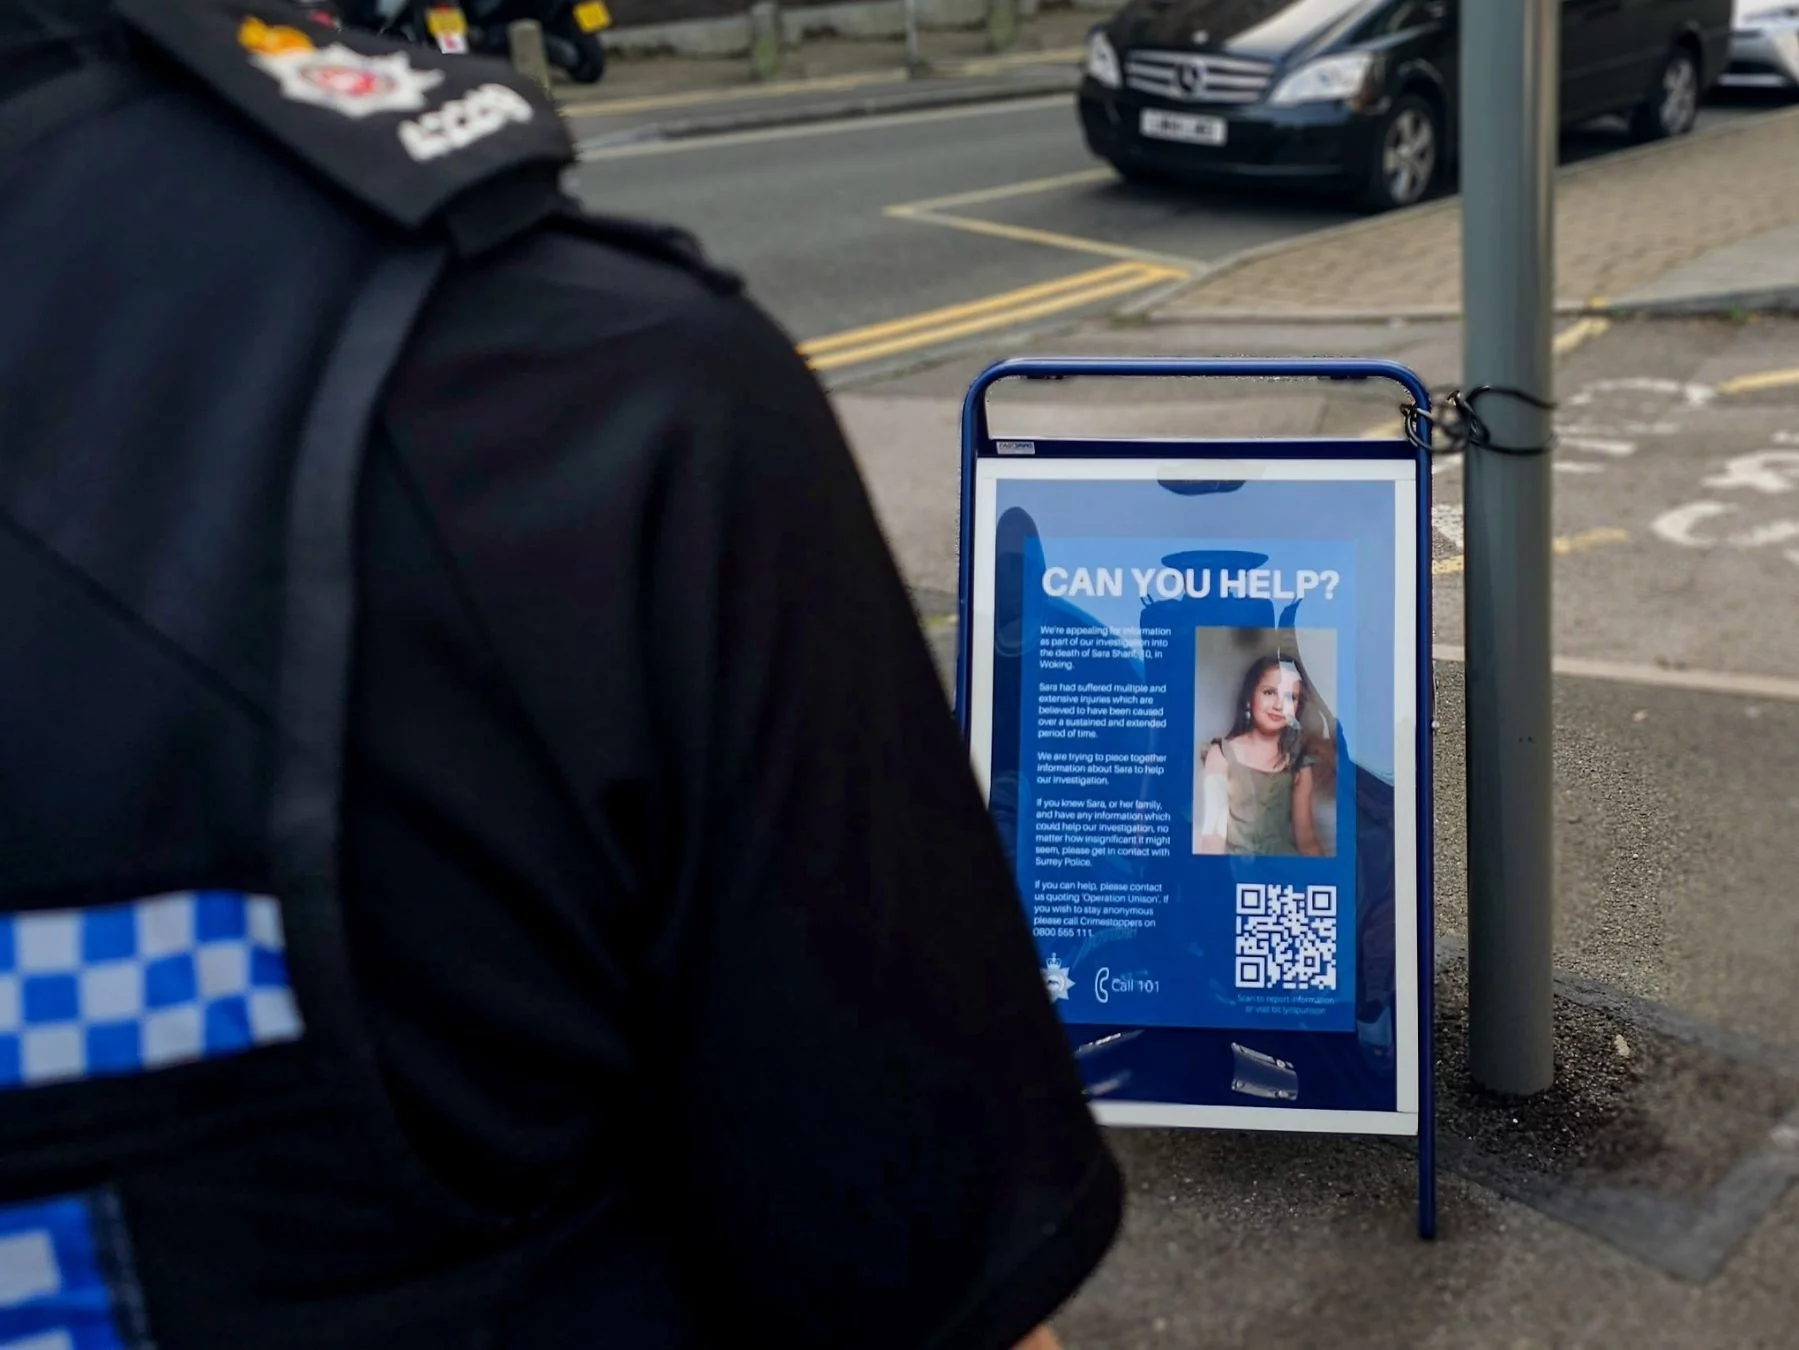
column 1361, row 94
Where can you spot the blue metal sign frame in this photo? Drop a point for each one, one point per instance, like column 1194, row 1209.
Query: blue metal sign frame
column 978, row 445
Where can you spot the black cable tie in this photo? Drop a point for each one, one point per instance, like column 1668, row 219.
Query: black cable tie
column 1459, row 428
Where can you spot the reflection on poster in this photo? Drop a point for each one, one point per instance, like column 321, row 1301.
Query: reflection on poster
column 1187, row 706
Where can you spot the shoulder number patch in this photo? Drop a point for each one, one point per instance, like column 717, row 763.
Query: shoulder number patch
column 405, row 130
column 463, row 121
column 335, row 77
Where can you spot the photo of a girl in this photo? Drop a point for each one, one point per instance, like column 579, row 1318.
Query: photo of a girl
column 1258, row 784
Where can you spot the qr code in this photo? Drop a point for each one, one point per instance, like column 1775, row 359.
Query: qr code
column 1286, row 937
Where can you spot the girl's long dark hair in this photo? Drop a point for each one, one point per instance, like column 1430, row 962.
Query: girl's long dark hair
column 1292, row 738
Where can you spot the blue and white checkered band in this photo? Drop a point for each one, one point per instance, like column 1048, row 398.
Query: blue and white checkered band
column 142, row 985
column 66, row 1280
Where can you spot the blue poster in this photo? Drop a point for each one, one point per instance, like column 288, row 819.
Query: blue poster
column 1194, row 682
column 1195, row 676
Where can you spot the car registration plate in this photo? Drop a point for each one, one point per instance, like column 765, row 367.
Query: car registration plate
column 449, row 26
column 592, row 15
column 1188, row 127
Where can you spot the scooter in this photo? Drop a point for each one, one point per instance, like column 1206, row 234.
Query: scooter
column 320, row 13
column 571, row 31
column 438, row 23
column 571, row 28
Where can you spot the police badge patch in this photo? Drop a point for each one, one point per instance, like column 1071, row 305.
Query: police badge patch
column 1057, row 980
column 335, row 77
column 407, row 131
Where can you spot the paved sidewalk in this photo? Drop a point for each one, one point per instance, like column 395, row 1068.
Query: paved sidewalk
column 1648, row 1200
column 1709, row 221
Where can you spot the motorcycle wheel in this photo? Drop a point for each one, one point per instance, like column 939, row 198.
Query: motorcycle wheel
column 588, row 62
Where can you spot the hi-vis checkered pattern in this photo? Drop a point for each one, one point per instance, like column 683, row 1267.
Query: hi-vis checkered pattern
column 141, row 985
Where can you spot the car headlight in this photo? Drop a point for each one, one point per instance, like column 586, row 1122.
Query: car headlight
column 1102, row 61
column 1335, row 79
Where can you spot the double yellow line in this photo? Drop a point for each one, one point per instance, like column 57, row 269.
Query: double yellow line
column 1006, row 310
column 822, row 84
column 1761, row 380
column 1561, row 546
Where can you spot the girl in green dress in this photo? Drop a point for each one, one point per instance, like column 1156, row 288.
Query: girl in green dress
column 1256, row 790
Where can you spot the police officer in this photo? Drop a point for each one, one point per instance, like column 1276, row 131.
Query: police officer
column 483, row 858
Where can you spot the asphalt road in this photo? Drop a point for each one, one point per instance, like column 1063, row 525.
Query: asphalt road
column 617, row 118
column 843, row 231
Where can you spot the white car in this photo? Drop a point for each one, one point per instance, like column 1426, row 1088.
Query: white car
column 1764, row 46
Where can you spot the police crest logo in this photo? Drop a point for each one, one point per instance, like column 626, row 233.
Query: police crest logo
column 1057, row 979
column 335, row 77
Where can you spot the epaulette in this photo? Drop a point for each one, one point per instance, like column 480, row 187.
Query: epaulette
column 665, row 243
column 422, row 138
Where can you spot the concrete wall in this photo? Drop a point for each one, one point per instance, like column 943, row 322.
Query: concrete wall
column 721, row 27
column 637, row 12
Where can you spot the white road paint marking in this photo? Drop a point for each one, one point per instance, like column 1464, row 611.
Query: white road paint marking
column 1760, row 536
column 1619, row 428
column 1692, row 525
column 1677, row 526
column 1769, row 471
column 1447, row 521
column 1600, row 446
column 1693, row 395
column 1618, row 672
column 1680, row 526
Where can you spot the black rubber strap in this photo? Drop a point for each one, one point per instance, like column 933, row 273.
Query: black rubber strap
column 306, row 824
column 317, row 631
column 1461, row 428
column 77, row 1128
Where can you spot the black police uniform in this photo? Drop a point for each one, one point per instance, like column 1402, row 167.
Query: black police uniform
column 483, row 858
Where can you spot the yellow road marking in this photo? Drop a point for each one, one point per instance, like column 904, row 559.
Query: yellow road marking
column 1586, row 539
column 1005, row 190
column 1135, row 269
column 879, row 122
column 1023, row 234
column 999, row 311
column 1575, row 334
column 1766, row 379
column 932, row 211
column 822, row 84
column 1578, row 332
column 981, row 65
column 1562, row 547
column 693, row 98
column 856, row 337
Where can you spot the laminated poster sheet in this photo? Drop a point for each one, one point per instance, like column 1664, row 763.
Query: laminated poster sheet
column 1192, row 696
